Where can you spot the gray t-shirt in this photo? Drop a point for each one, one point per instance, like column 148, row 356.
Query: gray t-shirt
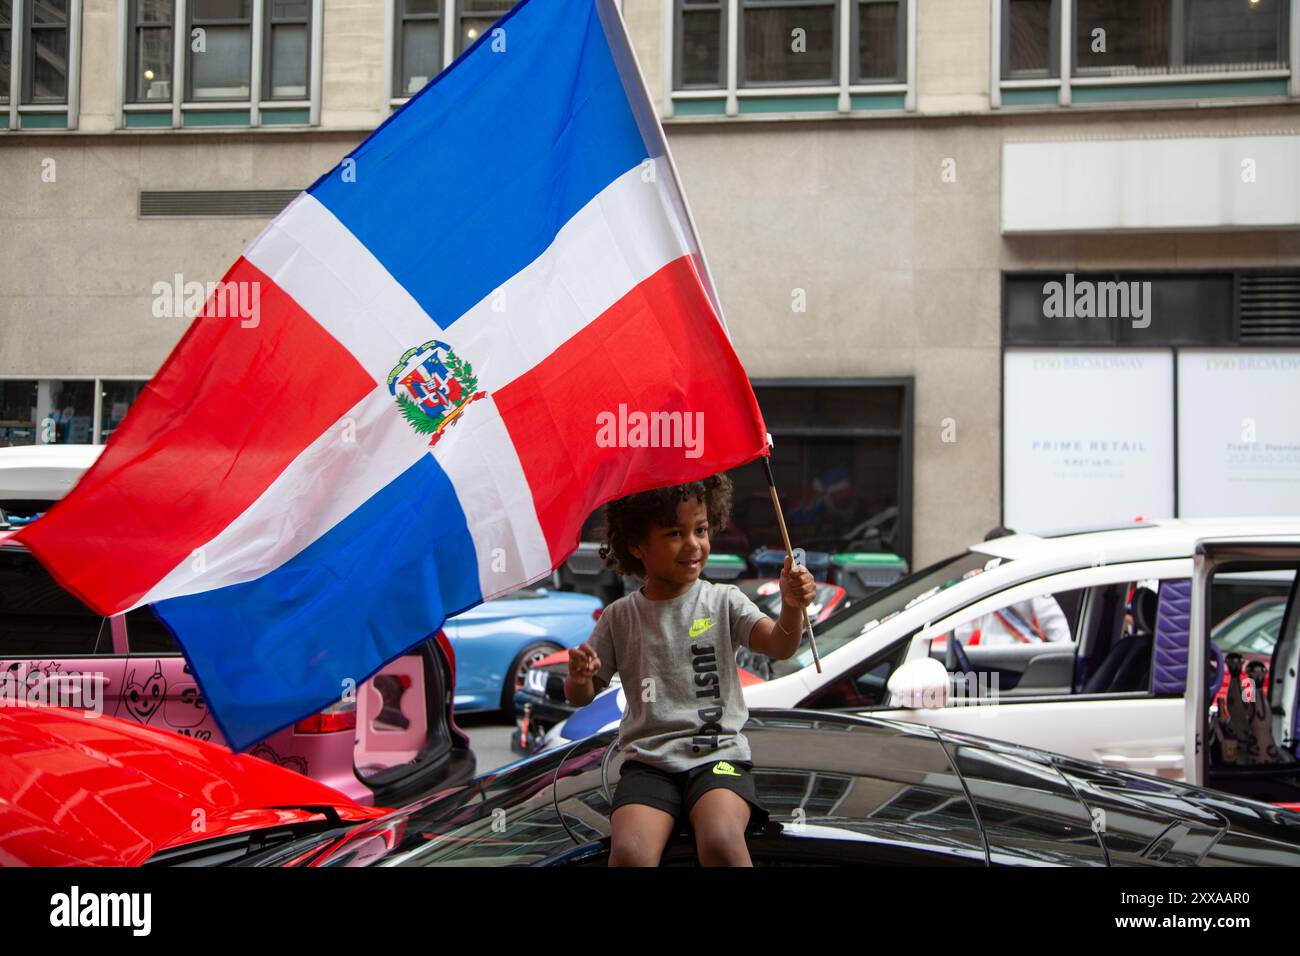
column 677, row 661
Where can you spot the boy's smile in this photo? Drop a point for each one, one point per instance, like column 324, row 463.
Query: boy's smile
column 674, row 557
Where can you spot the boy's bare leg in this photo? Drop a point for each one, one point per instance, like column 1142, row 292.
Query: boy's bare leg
column 638, row 834
column 719, row 818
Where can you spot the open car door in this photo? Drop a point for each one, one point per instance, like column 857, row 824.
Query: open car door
column 1241, row 716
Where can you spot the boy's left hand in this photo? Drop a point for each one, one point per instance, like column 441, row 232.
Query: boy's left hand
column 797, row 585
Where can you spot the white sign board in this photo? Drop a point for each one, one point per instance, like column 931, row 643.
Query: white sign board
column 1088, row 437
column 1203, row 182
column 1238, row 432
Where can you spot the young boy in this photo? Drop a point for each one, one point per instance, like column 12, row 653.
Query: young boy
column 673, row 644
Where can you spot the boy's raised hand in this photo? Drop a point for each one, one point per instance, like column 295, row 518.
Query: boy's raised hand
column 798, row 588
column 583, row 663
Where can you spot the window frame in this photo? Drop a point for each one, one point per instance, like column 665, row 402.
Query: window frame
column 905, row 433
column 133, row 26
column 461, row 15
column 851, row 93
column 1063, row 74
column 187, row 45
column 855, row 42
column 259, row 101
column 396, row 45
column 7, row 29
column 837, row 40
column 30, row 28
column 267, row 92
column 1053, row 47
column 679, row 9
column 1177, row 38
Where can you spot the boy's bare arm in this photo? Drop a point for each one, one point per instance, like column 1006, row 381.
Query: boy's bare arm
column 580, row 694
column 780, row 639
column 582, row 684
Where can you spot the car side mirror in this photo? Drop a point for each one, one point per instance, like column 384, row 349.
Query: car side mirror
column 921, row 683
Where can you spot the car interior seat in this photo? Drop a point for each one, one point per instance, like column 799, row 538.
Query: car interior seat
column 1127, row 665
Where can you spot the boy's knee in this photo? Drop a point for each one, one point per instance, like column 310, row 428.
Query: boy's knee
column 721, row 842
column 634, row 852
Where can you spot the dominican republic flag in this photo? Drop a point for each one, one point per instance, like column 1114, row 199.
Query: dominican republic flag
column 459, row 335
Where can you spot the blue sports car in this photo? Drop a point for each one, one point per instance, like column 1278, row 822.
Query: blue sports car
column 496, row 642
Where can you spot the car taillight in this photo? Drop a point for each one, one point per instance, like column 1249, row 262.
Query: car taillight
column 595, row 615
column 336, row 717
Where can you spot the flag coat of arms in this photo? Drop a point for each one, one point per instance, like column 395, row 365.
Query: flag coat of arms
column 410, row 423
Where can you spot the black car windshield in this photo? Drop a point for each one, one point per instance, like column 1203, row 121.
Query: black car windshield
column 875, row 609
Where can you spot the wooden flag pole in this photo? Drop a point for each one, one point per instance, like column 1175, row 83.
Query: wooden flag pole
column 785, row 537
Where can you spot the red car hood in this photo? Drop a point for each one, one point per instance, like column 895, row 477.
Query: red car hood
column 78, row 790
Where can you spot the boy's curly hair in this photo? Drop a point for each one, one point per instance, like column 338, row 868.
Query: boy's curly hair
column 628, row 520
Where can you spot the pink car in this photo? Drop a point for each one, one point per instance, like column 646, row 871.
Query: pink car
column 396, row 742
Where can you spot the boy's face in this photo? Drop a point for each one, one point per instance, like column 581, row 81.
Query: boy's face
column 677, row 554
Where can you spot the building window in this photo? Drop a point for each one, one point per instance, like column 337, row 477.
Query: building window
column 476, row 18
column 47, row 412
column 1227, row 36
column 45, row 74
column 419, row 44
column 221, row 66
column 788, row 42
column 881, row 31
column 1031, row 39
column 115, row 397
column 6, row 50
column 791, row 55
column 218, row 37
column 700, row 30
column 1142, row 37
column 844, row 469
column 287, row 46
column 151, row 51
column 17, row 413
column 62, row 411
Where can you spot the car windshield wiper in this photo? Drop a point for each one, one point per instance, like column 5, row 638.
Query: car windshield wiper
column 237, row 847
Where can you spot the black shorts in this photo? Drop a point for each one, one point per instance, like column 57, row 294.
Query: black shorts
column 676, row 793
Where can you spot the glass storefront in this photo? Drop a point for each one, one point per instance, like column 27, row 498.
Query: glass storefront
column 17, row 413
column 63, row 411
column 115, row 398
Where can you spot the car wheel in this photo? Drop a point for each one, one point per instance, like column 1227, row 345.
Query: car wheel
column 518, row 668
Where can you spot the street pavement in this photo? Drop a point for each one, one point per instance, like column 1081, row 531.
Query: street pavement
column 489, row 736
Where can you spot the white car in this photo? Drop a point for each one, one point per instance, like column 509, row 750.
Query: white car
column 43, row 473
column 1082, row 645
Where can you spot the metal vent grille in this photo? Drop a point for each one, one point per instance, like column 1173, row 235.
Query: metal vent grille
column 1269, row 306
column 207, row 203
